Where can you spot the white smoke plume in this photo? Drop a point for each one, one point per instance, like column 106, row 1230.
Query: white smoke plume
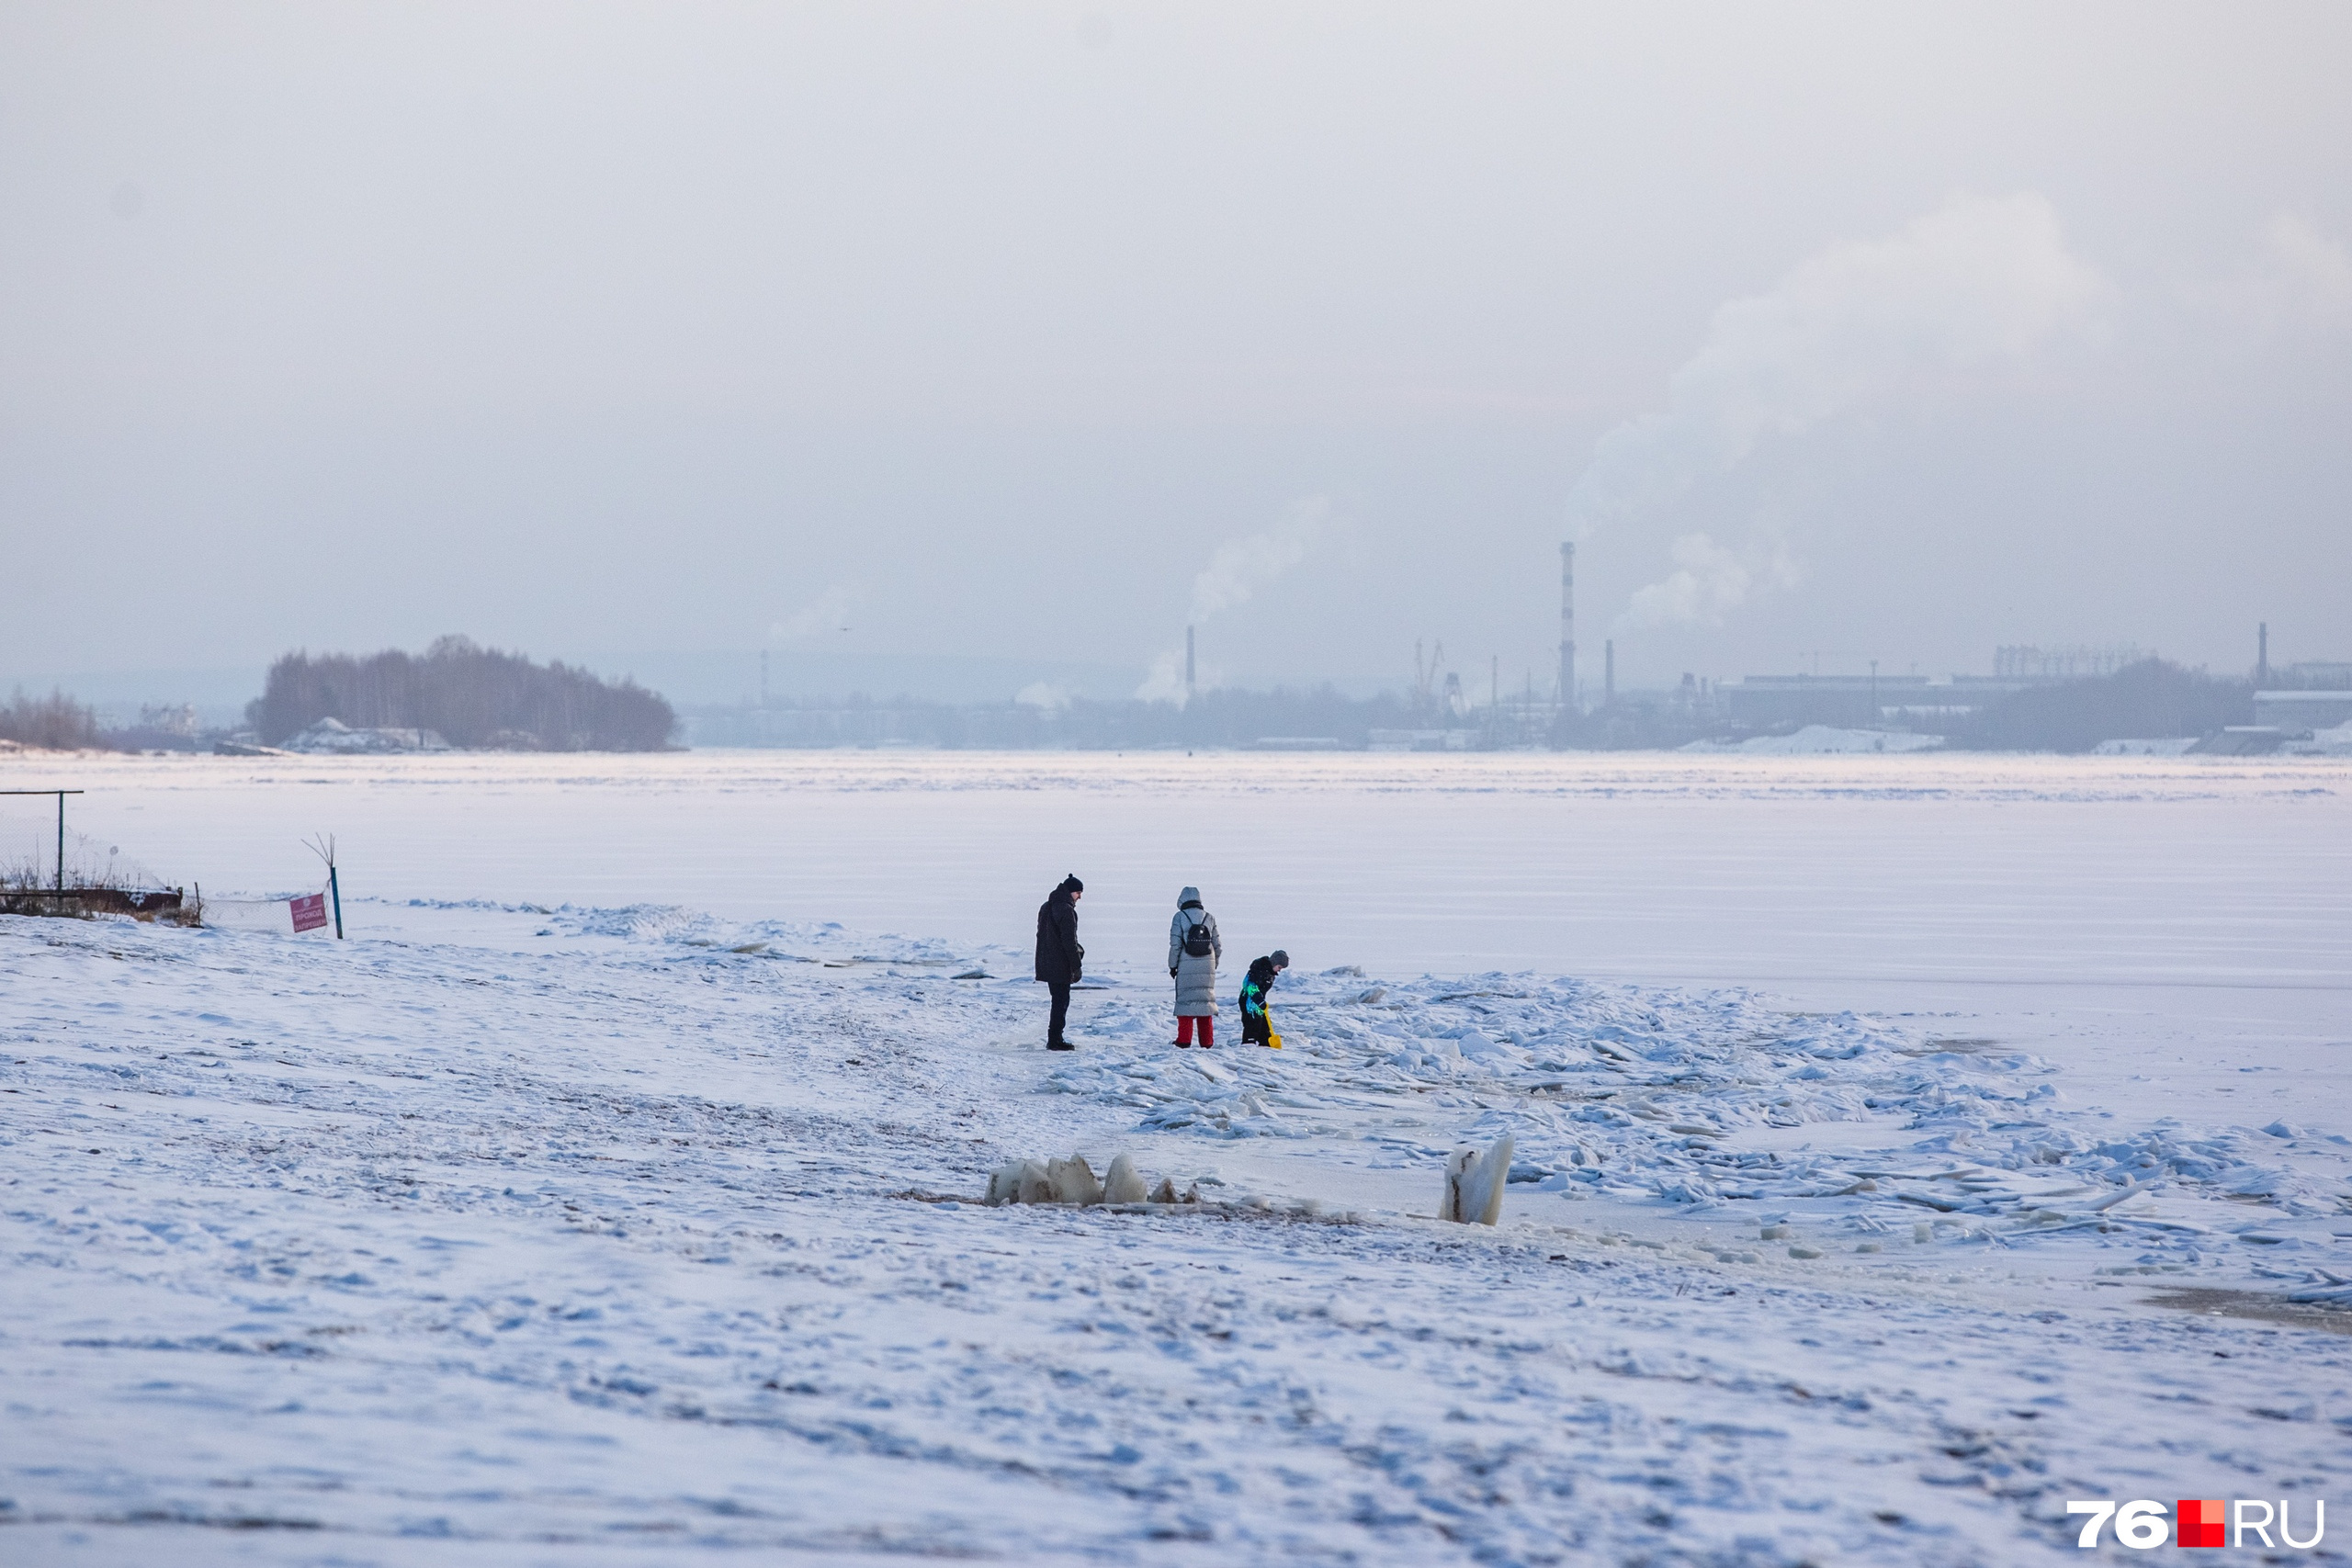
column 1165, row 680
column 829, row 612
column 1237, row 570
column 1239, row 567
column 1709, row 581
column 1981, row 281
column 1041, row 695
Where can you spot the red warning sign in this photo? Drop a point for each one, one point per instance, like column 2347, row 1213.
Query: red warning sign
column 310, row 911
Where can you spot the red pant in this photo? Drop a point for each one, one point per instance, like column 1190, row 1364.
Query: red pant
column 1184, row 1031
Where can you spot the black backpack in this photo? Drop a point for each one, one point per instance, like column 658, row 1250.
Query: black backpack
column 1196, row 941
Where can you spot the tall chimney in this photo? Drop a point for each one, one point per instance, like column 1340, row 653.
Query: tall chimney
column 1188, row 664
column 1609, row 672
column 2262, row 655
column 1567, row 626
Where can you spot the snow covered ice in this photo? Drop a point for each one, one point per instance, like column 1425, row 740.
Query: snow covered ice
column 1917, row 1143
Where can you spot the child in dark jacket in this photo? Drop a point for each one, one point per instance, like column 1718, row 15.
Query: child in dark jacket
column 1257, row 1025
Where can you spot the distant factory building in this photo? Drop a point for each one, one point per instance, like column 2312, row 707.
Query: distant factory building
column 2298, row 712
column 1847, row 701
column 1866, row 702
column 2082, row 662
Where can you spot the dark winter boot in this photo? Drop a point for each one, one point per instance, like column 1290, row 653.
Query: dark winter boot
column 1059, row 1045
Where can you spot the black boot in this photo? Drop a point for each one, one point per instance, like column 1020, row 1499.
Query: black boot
column 1059, row 1045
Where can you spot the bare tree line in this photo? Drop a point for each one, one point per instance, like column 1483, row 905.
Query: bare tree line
column 54, row 723
column 474, row 697
column 2152, row 697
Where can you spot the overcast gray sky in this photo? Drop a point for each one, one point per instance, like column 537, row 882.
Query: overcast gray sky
column 1028, row 331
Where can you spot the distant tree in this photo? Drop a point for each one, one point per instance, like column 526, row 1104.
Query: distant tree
column 474, row 697
column 2147, row 700
column 55, row 722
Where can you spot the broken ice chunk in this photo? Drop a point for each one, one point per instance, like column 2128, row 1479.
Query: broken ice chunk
column 1122, row 1183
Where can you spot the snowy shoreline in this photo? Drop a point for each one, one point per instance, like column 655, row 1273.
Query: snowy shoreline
column 505, row 1234
column 524, row 1230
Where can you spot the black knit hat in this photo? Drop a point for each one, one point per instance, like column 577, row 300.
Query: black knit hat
column 1280, row 959
column 1070, row 884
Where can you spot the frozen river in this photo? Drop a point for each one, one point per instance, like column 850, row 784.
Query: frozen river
column 608, row 1198
column 1777, row 871
column 2183, row 916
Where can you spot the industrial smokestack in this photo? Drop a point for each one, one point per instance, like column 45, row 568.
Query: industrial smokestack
column 2262, row 655
column 1188, row 664
column 1609, row 672
column 1567, row 626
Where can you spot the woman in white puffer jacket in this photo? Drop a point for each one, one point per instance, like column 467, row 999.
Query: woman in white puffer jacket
column 1194, row 949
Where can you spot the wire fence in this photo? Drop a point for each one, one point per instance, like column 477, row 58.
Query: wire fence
column 287, row 914
column 47, row 868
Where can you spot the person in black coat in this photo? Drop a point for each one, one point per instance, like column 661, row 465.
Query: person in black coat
column 1060, row 961
column 1257, row 1022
